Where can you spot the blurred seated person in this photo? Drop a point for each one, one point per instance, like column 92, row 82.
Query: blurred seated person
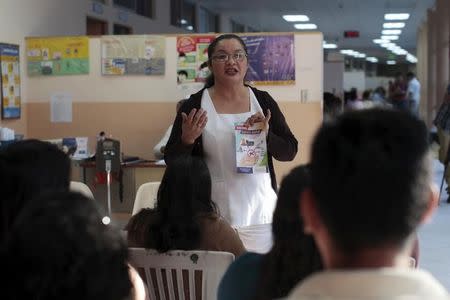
column 362, row 210
column 353, row 102
column 293, row 256
column 29, row 168
column 158, row 150
column 185, row 217
column 332, row 106
column 60, row 249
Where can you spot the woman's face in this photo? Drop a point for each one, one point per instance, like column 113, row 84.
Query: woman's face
column 229, row 62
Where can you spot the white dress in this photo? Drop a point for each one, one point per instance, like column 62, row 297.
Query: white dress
column 242, row 199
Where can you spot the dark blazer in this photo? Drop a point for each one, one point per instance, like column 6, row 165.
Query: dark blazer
column 281, row 143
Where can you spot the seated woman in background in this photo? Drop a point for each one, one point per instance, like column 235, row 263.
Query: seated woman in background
column 27, row 169
column 185, row 217
column 293, row 256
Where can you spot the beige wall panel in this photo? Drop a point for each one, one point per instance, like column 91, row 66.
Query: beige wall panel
column 139, row 126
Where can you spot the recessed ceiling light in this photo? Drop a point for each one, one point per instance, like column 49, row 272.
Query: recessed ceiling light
column 391, row 17
column 305, row 26
column 189, row 27
column 394, row 25
column 296, row 18
column 379, row 41
column 391, row 32
column 391, row 62
column 389, row 37
column 329, row 46
column 183, row 21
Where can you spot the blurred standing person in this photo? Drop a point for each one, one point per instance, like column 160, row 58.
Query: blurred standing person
column 205, row 126
column 413, row 93
column 397, row 93
column 442, row 123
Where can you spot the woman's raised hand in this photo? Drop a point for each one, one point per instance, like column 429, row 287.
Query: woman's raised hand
column 192, row 125
column 259, row 117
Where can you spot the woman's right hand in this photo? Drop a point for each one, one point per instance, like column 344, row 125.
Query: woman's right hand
column 192, row 125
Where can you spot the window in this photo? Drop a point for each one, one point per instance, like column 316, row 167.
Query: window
column 208, row 21
column 183, row 14
column 96, row 27
column 121, row 29
column 140, row 7
column 237, row 27
column 144, row 8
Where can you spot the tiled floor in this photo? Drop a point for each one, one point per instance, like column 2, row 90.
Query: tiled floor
column 434, row 237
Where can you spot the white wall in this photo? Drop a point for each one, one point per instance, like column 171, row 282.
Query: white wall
column 333, row 77
column 374, row 82
column 355, row 79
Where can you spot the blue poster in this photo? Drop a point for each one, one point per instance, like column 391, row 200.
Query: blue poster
column 271, row 59
column 10, row 81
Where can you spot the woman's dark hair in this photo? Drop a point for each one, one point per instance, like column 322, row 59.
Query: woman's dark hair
column 212, row 48
column 183, row 196
column 294, row 254
column 29, row 168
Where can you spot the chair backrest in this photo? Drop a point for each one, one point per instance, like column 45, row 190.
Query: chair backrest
column 181, row 275
column 146, row 196
column 80, row 187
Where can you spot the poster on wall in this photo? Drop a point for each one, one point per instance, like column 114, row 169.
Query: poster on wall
column 10, row 81
column 133, row 55
column 192, row 62
column 57, row 56
column 271, row 59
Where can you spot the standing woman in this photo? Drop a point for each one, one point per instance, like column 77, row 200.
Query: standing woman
column 204, row 127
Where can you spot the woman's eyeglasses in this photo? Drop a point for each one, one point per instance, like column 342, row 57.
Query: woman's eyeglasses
column 223, row 57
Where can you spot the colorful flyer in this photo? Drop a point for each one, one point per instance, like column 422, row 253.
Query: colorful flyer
column 271, row 59
column 133, row 55
column 192, row 65
column 10, row 81
column 57, row 56
column 251, row 149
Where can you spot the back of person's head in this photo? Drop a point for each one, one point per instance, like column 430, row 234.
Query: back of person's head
column 410, row 75
column 366, row 95
column 371, row 178
column 27, row 169
column 60, row 249
column 184, row 194
column 294, row 254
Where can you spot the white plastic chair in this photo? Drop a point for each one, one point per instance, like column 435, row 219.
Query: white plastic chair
column 80, row 187
column 145, row 196
column 180, row 274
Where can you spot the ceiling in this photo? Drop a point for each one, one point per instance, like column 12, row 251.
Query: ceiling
column 332, row 17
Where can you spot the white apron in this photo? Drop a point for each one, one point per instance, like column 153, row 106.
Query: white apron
column 242, row 199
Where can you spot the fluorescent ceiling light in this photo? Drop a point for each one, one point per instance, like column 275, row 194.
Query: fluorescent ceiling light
column 392, row 17
column 391, row 32
column 296, row 18
column 372, row 59
column 183, row 21
column 329, row 46
column 189, row 27
column 387, row 45
column 394, row 25
column 305, row 26
column 391, row 62
column 400, row 52
column 360, row 55
column 379, row 41
column 411, row 58
column 389, row 37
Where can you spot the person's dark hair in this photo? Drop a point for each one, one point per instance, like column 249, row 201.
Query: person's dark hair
column 212, row 48
column 182, row 72
column 366, row 95
column 183, row 196
column 370, row 177
column 27, row 169
column 60, row 249
column 294, row 254
column 410, row 75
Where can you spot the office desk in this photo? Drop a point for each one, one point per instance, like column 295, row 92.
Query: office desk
column 133, row 175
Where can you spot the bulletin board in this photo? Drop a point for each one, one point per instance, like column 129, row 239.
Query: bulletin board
column 10, row 81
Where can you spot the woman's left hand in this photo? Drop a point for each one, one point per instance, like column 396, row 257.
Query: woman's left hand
column 259, row 117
